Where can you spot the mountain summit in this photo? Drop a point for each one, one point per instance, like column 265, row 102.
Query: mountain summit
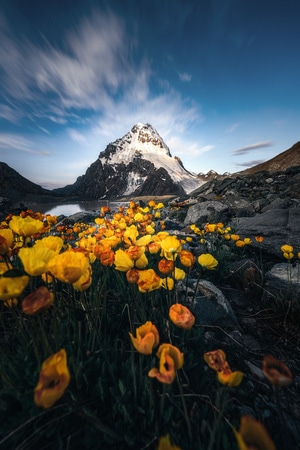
column 139, row 163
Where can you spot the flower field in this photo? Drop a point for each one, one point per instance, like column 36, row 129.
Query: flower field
column 98, row 352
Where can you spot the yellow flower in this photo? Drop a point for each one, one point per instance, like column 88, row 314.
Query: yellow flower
column 53, row 380
column 130, row 235
column 179, row 274
column 84, row 281
column 170, row 359
column 181, row 316
column 208, row 261
column 253, row 435
column 235, row 237
column 286, row 248
column 164, row 443
column 288, row 255
column 170, row 246
column 38, row 301
column 12, row 284
column 167, row 283
column 147, row 338
column 26, row 226
column 54, row 243
column 148, row 281
column 247, row 241
column 276, row 371
column 69, row 266
column 36, row 259
column 142, row 261
column 123, row 262
column 239, row 243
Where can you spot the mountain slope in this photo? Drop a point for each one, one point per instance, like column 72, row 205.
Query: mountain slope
column 139, row 163
column 281, row 162
column 16, row 187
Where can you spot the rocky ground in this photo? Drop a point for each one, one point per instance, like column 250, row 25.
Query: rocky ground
column 254, row 309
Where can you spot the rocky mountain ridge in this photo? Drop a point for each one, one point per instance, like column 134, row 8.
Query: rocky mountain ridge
column 139, row 163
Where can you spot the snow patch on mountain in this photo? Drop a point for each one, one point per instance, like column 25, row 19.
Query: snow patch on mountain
column 143, row 142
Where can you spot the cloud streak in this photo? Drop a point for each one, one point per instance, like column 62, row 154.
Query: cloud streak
column 249, row 148
column 254, row 162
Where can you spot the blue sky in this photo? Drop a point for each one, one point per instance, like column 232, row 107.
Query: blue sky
column 218, row 79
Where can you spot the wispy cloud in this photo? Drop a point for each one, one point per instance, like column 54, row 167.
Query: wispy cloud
column 254, row 162
column 11, row 141
column 233, row 127
column 249, row 148
column 184, row 76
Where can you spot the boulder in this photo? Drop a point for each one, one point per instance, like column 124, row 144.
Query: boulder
column 277, row 226
column 282, row 280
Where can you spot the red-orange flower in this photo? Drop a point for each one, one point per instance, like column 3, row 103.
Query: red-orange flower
column 215, row 359
column 259, row 239
column 38, row 301
column 276, row 371
column 166, row 266
column 132, row 276
column 181, row 316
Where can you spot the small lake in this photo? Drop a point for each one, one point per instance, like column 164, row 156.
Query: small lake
column 67, row 209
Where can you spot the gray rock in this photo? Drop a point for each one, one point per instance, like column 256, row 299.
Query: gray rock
column 278, row 226
column 208, row 304
column 203, row 212
column 283, row 280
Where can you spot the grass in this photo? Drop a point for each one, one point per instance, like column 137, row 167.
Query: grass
column 110, row 401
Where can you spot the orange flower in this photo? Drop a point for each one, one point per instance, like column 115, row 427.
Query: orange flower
column 239, row 243
column 166, row 266
column 181, row 316
column 229, row 378
column 215, row 359
column 38, row 301
column 259, row 239
column 170, row 359
column 234, row 237
column 6, row 240
column 107, row 257
column 148, row 280
column 146, row 339
column 253, row 435
column 276, row 371
column 187, row 258
column 154, row 247
column 53, row 380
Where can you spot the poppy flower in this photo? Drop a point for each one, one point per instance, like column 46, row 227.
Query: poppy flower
column 35, row 259
column 25, row 226
column 123, row 262
column 148, row 281
column 229, row 378
column 164, row 443
column 84, row 282
column 208, row 261
column 166, row 266
column 54, row 243
column 170, row 359
column 39, row 300
column 181, row 316
column 253, row 435
column 12, row 284
column 147, row 338
column 215, row 359
column 276, row 371
column 170, row 246
column 69, row 266
column 187, row 258
column 286, row 248
column 259, row 239
column 53, row 380
column 6, row 240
